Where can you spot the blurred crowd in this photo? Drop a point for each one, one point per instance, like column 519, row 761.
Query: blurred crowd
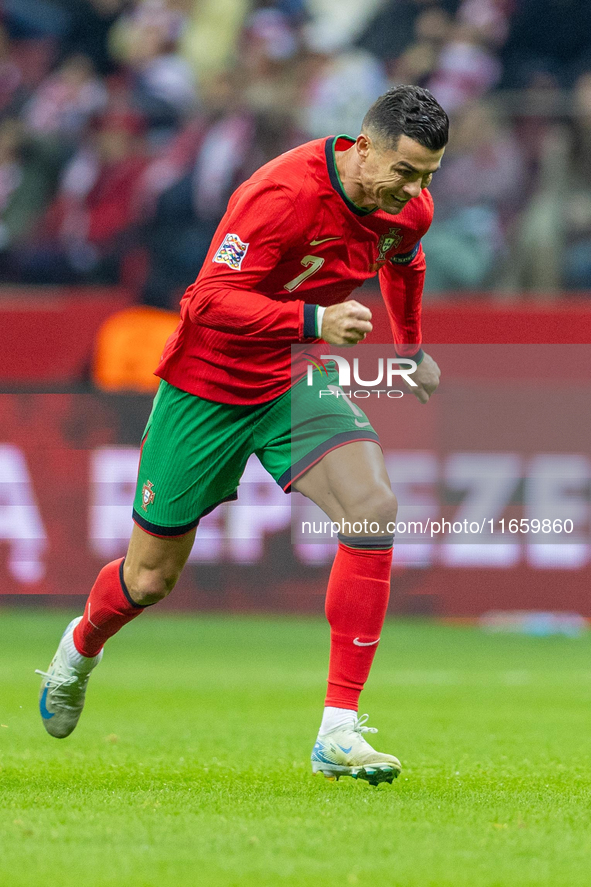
column 126, row 124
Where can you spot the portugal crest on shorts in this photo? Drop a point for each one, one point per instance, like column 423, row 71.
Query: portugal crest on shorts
column 147, row 494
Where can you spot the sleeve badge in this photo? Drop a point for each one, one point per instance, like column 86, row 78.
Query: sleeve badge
column 231, row 252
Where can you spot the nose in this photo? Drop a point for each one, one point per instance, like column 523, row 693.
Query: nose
column 413, row 189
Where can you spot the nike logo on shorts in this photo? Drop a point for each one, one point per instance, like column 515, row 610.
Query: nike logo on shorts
column 324, row 240
column 359, row 643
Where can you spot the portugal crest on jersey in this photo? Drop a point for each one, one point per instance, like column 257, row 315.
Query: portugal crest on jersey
column 387, row 242
column 231, row 252
column 147, row 494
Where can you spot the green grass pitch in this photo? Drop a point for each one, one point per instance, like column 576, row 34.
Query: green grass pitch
column 190, row 765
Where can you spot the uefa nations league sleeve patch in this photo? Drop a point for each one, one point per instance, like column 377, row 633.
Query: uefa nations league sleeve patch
column 231, row 252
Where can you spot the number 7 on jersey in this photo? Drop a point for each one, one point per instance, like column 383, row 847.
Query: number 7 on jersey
column 311, row 264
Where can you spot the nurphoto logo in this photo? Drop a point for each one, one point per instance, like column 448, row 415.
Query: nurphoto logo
column 388, row 373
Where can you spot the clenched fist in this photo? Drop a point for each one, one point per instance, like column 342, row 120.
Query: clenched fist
column 426, row 377
column 346, row 323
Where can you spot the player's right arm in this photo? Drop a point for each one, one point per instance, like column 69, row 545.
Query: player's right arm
column 257, row 229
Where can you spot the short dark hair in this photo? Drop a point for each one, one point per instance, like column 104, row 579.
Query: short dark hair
column 410, row 111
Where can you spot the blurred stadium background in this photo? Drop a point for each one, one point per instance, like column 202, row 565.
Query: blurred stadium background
column 125, row 126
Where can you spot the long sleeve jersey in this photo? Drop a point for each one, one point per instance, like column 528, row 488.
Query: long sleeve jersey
column 291, row 239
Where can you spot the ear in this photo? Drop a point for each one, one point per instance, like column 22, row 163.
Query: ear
column 363, row 143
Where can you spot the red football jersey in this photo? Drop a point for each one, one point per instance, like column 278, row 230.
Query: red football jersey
column 291, row 239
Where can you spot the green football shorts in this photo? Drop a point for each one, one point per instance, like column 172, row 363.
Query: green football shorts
column 194, row 451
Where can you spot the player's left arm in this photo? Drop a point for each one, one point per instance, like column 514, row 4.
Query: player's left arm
column 401, row 281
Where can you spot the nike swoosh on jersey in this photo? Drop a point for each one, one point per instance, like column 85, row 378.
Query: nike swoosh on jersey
column 324, row 240
column 359, row 643
column 361, row 424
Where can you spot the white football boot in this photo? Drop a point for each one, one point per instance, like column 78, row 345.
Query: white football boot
column 63, row 688
column 344, row 752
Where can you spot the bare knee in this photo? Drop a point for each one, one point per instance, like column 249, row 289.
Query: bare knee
column 148, row 585
column 376, row 512
column 153, row 564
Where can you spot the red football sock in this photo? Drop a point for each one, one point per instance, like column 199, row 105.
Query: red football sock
column 356, row 603
column 109, row 608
